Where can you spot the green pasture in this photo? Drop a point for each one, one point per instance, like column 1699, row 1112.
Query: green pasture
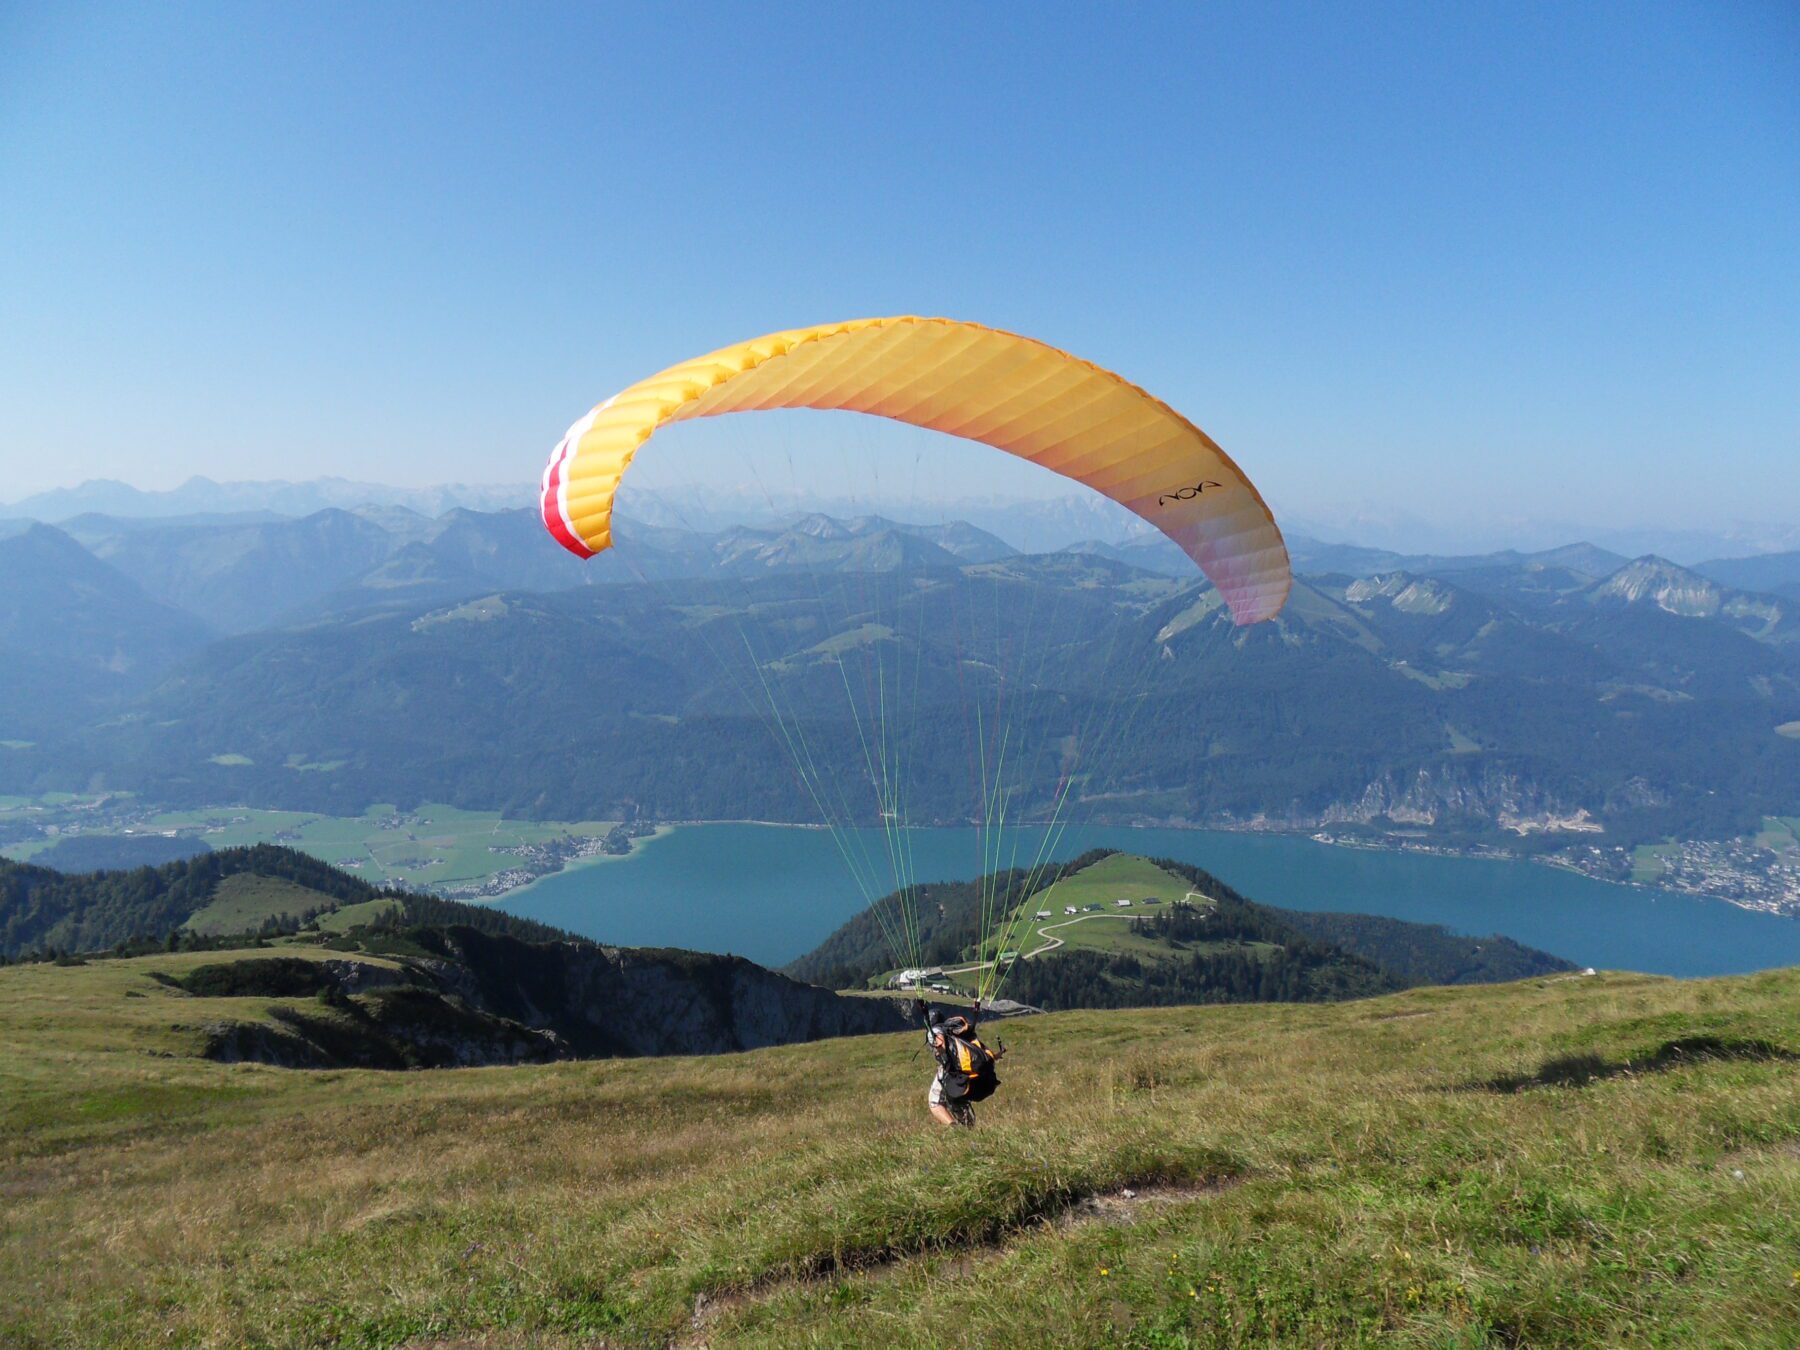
column 242, row 902
column 430, row 846
column 1608, row 1161
column 1781, row 833
column 1109, row 928
column 343, row 919
column 1650, row 861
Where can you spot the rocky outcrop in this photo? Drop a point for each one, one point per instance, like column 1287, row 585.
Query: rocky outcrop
column 625, row 1001
column 1482, row 794
column 1438, row 793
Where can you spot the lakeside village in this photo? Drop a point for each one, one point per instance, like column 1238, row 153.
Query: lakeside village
column 1760, row 874
column 541, row 859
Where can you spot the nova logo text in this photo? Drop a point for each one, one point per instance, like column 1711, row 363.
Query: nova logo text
column 1187, row 494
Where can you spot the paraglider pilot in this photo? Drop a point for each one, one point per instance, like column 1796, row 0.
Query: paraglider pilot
column 965, row 1067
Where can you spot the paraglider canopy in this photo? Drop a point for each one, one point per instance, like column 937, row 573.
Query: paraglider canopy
column 866, row 685
column 1013, row 393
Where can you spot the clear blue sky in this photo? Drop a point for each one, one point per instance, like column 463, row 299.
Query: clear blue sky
column 1452, row 260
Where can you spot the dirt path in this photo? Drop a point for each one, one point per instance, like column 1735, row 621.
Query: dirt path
column 1043, row 929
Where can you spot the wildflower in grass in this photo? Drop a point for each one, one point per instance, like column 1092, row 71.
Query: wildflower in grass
column 1105, row 1271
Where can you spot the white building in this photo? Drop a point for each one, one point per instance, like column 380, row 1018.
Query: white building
column 912, row 978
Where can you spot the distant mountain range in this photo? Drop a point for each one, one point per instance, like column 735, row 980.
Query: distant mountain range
column 345, row 658
column 1771, row 573
column 1027, row 525
column 1415, row 535
column 241, row 571
column 203, row 496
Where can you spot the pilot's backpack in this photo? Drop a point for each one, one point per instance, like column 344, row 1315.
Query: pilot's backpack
column 968, row 1068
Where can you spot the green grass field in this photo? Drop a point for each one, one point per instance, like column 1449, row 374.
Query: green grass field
column 1781, row 833
column 1600, row 1162
column 1107, row 928
column 1648, row 862
column 33, row 811
column 25, row 851
column 343, row 919
column 241, row 903
column 435, row 845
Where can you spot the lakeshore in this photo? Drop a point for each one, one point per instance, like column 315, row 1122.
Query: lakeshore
column 771, row 893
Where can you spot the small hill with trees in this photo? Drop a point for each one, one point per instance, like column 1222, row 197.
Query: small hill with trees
column 1157, row 932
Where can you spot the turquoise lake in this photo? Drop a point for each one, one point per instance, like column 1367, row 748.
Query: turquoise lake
column 772, row 893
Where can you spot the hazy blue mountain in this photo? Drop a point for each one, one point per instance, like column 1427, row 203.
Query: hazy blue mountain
column 1581, row 559
column 59, row 602
column 962, row 540
column 465, row 657
column 104, row 496
column 869, row 544
column 201, row 495
column 1768, row 573
column 1025, row 526
column 468, row 553
column 1586, row 558
column 459, row 555
column 1315, row 555
column 402, row 522
column 1398, row 698
column 93, row 526
column 1679, row 591
column 1692, row 546
column 74, row 632
column 1152, row 552
column 239, row 576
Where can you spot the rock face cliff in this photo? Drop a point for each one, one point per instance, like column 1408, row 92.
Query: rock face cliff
column 638, row 1001
column 460, row 997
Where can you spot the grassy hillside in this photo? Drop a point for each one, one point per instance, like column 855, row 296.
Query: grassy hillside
column 42, row 909
column 240, row 904
column 1566, row 1161
column 231, row 891
column 1110, row 926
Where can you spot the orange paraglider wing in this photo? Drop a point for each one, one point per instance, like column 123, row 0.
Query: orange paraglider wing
column 1013, row 393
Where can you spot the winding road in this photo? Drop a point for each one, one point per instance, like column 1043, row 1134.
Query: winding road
column 1051, row 945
